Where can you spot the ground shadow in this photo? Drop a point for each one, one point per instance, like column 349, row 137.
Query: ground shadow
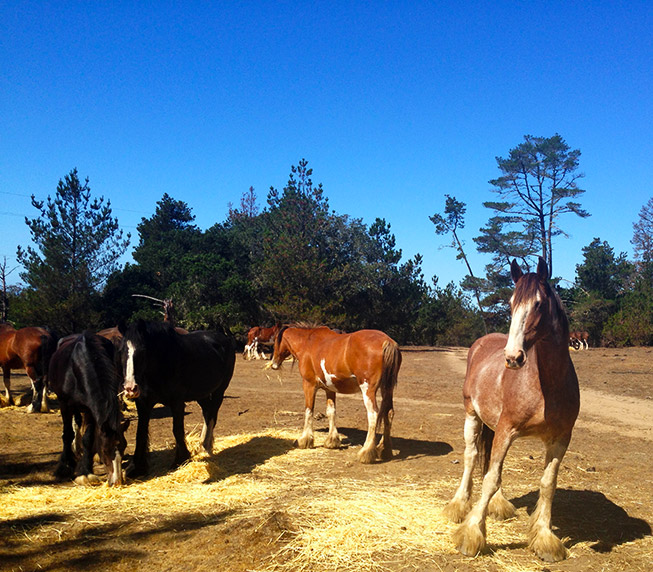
column 244, row 457
column 13, row 466
column 589, row 516
column 91, row 547
column 408, row 448
column 240, row 459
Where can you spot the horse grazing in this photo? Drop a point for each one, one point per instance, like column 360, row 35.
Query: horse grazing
column 159, row 365
column 83, row 375
column 519, row 385
column 363, row 361
column 29, row 348
column 258, row 336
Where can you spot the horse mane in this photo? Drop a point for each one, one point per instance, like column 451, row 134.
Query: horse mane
column 102, row 378
column 529, row 285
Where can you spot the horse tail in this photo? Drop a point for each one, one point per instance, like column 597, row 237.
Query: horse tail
column 484, row 445
column 389, row 372
column 48, row 347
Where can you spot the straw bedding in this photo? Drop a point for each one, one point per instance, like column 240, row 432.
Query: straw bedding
column 328, row 523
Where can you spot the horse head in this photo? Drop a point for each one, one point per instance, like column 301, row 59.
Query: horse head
column 535, row 311
column 281, row 349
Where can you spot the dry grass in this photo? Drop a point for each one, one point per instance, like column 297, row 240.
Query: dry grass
column 329, row 524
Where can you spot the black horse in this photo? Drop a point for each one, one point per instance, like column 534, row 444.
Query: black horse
column 159, row 365
column 83, row 374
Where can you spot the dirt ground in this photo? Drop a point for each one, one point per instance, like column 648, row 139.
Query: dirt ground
column 603, row 507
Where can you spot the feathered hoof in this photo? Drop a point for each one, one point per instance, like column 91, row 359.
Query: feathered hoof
column 501, row 508
column 547, row 545
column 367, row 456
column 469, row 539
column 456, row 510
column 4, row 401
column 333, row 443
column 88, row 480
column 304, row 443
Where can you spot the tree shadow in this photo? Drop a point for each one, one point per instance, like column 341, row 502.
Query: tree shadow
column 12, row 466
column 91, row 547
column 589, row 516
column 408, row 448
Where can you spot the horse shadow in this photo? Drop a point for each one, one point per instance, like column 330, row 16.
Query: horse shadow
column 13, row 466
column 589, row 516
column 408, row 448
column 239, row 459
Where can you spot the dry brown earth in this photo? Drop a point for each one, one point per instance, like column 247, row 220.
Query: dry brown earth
column 260, row 504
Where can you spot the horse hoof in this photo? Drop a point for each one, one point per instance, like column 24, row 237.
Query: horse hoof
column 367, row 456
column 82, row 480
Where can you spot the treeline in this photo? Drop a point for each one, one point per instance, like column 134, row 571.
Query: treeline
column 293, row 260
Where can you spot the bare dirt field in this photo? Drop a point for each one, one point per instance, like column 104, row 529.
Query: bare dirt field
column 260, row 504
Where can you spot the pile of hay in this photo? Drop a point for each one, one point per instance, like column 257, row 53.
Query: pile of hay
column 329, row 523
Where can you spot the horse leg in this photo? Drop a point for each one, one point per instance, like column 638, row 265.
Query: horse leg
column 6, row 378
column 306, row 441
column 66, row 465
column 181, row 450
column 384, row 448
column 85, row 464
column 470, row 536
column 210, row 407
column 541, row 539
column 368, row 453
column 460, row 504
column 39, row 394
column 139, row 466
column 78, row 427
column 333, row 439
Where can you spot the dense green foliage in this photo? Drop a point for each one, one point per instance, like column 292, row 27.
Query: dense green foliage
column 78, row 244
column 298, row 260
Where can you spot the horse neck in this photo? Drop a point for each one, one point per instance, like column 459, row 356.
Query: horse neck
column 552, row 354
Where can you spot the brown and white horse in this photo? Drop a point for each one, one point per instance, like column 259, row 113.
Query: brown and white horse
column 579, row 340
column 363, row 361
column 519, row 385
column 30, row 348
column 257, row 336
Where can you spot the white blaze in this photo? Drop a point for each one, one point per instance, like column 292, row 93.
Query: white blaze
column 129, row 369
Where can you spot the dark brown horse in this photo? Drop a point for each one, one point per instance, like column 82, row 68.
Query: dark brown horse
column 29, row 348
column 258, row 336
column 83, row 375
column 344, row 363
column 159, row 365
column 519, row 385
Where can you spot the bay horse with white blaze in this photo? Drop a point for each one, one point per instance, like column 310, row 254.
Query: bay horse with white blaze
column 519, row 385
column 159, row 365
column 363, row 361
column 83, row 375
column 29, row 348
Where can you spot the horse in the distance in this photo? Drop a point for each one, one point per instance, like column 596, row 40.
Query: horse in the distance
column 159, row 365
column 365, row 361
column 83, row 375
column 579, row 340
column 257, row 337
column 29, row 348
column 518, row 385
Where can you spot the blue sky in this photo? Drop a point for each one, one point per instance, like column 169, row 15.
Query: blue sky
column 393, row 104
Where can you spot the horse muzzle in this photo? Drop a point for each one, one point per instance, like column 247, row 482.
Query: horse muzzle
column 132, row 392
column 516, row 361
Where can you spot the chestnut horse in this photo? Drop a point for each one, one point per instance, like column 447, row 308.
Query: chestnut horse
column 83, row 375
column 29, row 348
column 344, row 363
column 257, row 336
column 519, row 385
column 579, row 340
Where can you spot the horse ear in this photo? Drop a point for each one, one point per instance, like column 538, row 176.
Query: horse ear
column 515, row 271
column 542, row 270
column 122, row 326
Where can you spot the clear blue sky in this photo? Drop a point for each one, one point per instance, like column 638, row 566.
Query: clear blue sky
column 393, row 104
